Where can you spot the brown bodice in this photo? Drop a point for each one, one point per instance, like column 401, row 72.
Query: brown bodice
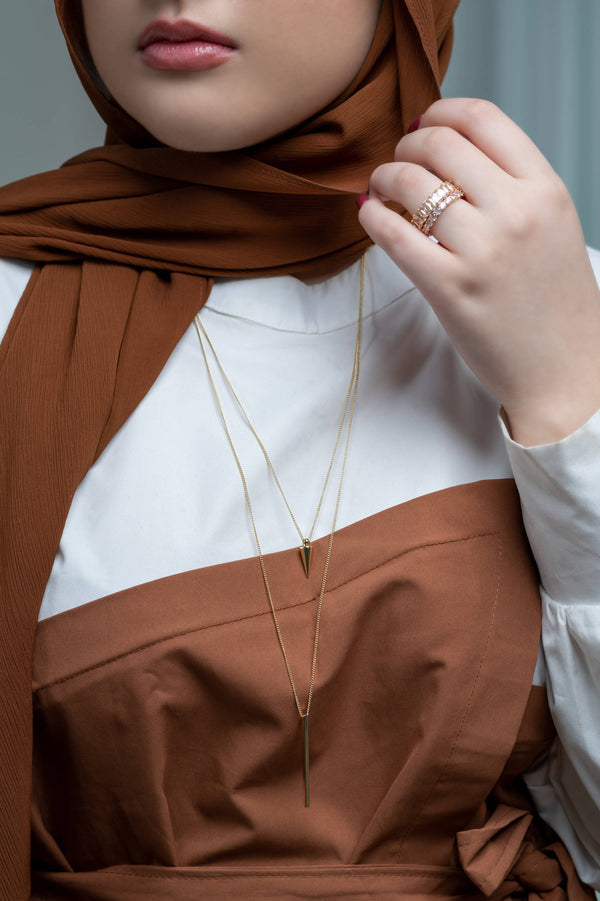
column 168, row 752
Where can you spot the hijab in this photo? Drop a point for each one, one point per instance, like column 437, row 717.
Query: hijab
column 127, row 239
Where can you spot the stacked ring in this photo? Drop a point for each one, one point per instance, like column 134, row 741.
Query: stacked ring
column 432, row 208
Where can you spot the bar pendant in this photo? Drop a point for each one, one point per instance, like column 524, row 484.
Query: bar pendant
column 306, row 763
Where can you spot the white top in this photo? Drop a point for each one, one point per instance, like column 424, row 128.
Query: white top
column 163, row 496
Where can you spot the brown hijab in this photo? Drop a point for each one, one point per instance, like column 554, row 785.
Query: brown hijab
column 128, row 237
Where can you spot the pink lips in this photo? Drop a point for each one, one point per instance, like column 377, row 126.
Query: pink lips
column 183, row 46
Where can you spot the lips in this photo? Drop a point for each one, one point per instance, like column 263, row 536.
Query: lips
column 181, row 32
column 183, row 46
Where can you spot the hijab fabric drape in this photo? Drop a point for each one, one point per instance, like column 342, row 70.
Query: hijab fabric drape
column 128, row 238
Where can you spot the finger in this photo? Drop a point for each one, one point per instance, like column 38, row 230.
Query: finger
column 489, row 129
column 452, row 157
column 428, row 265
column 410, row 186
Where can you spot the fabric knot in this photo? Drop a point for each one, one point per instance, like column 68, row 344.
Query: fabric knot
column 488, row 854
column 502, row 861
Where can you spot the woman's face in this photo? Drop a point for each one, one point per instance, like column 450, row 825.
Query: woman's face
column 214, row 75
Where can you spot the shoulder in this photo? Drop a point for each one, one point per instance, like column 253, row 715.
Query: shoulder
column 14, row 275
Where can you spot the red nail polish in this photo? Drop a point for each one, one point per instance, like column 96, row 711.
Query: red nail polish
column 414, row 125
column 362, row 198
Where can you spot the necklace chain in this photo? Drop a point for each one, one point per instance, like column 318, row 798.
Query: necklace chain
column 200, row 327
column 349, row 404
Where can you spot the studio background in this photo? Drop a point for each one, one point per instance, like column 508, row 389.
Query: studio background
column 537, row 59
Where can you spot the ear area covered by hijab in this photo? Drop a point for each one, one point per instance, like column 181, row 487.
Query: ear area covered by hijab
column 127, row 238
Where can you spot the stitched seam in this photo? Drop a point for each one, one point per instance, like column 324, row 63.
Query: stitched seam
column 491, row 880
column 311, row 333
column 251, row 616
column 248, row 875
column 467, row 709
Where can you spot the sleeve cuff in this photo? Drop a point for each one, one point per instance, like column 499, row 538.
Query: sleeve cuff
column 559, row 486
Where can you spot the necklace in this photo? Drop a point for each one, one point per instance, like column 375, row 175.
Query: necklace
column 348, row 413
column 305, row 548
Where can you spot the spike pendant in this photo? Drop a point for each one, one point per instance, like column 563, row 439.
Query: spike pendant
column 306, row 556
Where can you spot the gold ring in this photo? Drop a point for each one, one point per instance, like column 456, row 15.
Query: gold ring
column 432, row 208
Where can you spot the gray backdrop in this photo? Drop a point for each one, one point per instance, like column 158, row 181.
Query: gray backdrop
column 538, row 59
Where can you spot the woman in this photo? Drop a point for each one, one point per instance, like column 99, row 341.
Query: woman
column 214, row 714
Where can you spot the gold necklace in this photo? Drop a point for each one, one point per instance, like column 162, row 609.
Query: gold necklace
column 350, row 403
column 305, row 548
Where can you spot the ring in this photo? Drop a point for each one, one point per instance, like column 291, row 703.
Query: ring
column 432, row 208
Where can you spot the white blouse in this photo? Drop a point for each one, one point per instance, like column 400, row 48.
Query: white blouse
column 166, row 497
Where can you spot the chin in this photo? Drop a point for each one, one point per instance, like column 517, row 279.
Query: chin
column 215, row 135
column 197, row 143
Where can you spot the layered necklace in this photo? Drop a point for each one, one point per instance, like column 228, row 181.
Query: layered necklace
column 306, row 542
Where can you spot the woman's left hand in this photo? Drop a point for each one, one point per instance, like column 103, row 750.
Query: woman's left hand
column 510, row 279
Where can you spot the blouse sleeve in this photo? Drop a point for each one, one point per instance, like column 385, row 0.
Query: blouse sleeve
column 559, row 486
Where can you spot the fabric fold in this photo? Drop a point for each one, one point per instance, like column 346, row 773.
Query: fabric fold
column 487, row 854
column 505, row 859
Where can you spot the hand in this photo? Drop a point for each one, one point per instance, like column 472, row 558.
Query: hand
column 510, row 279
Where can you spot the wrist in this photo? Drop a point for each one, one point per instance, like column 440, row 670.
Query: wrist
column 547, row 422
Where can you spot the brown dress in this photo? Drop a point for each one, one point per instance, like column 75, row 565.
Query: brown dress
column 168, row 752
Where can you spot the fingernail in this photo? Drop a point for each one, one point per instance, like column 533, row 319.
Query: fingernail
column 414, row 125
column 362, row 198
